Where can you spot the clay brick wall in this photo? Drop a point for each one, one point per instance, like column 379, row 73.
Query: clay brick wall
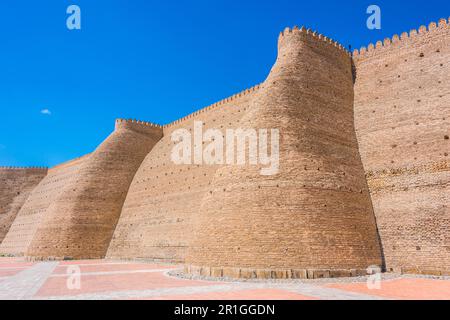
column 364, row 143
column 314, row 218
column 31, row 213
column 16, row 185
column 156, row 220
column 79, row 223
column 402, row 118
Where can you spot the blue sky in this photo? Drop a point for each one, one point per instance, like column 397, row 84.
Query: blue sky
column 151, row 60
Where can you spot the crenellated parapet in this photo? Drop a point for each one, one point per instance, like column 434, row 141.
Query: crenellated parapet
column 137, row 122
column 404, row 38
column 214, row 106
column 312, row 35
column 24, row 168
column 138, row 126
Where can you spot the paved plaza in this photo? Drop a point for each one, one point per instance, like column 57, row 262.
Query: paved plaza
column 103, row 279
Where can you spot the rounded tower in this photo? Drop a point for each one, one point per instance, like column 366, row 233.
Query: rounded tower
column 314, row 217
column 80, row 222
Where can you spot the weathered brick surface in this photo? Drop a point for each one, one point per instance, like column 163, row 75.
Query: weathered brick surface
column 79, row 224
column 316, row 212
column 31, row 213
column 156, row 220
column 314, row 218
column 16, row 185
column 402, row 116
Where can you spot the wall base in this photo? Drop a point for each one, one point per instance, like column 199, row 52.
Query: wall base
column 428, row 272
column 248, row 273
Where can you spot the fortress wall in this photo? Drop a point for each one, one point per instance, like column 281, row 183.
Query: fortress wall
column 156, row 218
column 79, row 224
column 33, row 210
column 16, row 185
column 402, row 118
column 314, row 218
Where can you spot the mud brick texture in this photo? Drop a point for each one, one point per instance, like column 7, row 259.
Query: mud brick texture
column 364, row 176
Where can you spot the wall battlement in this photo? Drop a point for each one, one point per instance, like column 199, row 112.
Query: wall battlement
column 314, row 35
column 214, row 106
column 25, row 168
column 131, row 123
column 404, row 38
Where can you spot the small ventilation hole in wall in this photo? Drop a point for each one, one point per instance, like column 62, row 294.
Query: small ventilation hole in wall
column 421, row 55
column 446, row 137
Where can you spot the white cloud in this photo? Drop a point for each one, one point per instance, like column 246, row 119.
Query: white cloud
column 46, row 112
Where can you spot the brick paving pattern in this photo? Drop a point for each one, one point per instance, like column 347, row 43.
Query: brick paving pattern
column 120, row 280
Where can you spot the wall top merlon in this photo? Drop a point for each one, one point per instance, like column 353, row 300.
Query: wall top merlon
column 405, row 36
column 24, row 168
column 314, row 35
column 137, row 122
column 214, row 105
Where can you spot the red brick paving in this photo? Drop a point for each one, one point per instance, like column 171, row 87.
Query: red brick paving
column 71, row 262
column 402, row 288
column 6, row 259
column 15, row 264
column 116, row 282
column 62, row 269
column 9, row 272
column 408, row 289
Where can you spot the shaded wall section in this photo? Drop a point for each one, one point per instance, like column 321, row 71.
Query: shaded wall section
column 16, row 185
column 402, row 117
column 79, row 224
column 34, row 209
column 156, row 220
column 314, row 217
